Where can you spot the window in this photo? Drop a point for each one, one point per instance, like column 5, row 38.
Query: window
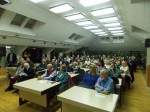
column 18, row 20
column 1, row 11
column 30, row 24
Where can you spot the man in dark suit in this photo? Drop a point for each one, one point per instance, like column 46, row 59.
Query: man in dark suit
column 28, row 73
column 11, row 58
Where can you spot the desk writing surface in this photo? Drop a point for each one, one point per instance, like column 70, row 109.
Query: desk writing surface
column 89, row 99
column 34, row 85
column 73, row 74
column 85, row 69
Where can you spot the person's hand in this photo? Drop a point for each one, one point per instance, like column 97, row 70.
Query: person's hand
column 26, row 75
column 37, row 72
column 39, row 78
column 97, row 85
column 105, row 92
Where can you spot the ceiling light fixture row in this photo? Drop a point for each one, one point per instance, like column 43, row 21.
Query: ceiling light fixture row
column 111, row 23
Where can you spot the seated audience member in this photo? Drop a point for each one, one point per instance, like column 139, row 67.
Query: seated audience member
column 105, row 84
column 87, row 62
column 47, row 61
column 54, row 63
column 90, row 78
column 113, row 71
column 49, row 74
column 30, row 62
column 107, row 64
column 27, row 74
column 62, row 77
column 118, row 64
column 65, row 62
column 99, row 67
column 74, row 67
column 18, row 74
column 125, row 72
column 79, row 63
column 42, row 66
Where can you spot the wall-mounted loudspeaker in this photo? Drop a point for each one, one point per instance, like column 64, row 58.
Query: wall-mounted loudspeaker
column 3, row 2
column 147, row 42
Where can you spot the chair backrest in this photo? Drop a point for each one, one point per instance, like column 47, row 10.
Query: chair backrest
column 116, row 81
column 70, row 81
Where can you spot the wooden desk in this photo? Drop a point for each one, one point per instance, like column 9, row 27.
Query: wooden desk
column 78, row 99
column 73, row 75
column 35, row 91
column 119, row 87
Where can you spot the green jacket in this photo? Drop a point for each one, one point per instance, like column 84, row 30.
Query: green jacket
column 63, row 79
column 113, row 73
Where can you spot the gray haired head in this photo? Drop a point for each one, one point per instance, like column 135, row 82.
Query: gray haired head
column 104, row 71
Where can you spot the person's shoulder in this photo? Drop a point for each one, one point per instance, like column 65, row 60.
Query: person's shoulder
column 110, row 79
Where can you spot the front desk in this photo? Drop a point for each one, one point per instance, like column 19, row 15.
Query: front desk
column 79, row 99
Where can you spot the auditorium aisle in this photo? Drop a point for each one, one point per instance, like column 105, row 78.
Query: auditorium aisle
column 137, row 99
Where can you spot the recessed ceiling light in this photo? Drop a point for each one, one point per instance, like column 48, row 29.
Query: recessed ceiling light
column 91, row 27
column 111, row 19
column 118, row 34
column 61, row 8
column 87, row 3
column 97, row 30
column 112, row 24
column 98, row 33
column 103, row 35
column 36, row 1
column 120, row 31
column 84, row 23
column 103, row 12
column 8, row 47
column 74, row 17
column 117, row 28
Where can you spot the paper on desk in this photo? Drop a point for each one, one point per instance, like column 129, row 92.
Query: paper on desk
column 100, row 95
column 41, row 81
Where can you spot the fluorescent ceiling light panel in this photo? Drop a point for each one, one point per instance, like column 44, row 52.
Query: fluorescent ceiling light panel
column 91, row 27
column 98, row 30
column 87, row 3
column 117, row 28
column 74, row 17
column 103, row 35
column 118, row 34
column 84, row 23
column 112, row 24
column 111, row 19
column 117, row 31
column 103, row 12
column 8, row 47
column 98, row 33
column 61, row 8
column 36, row 1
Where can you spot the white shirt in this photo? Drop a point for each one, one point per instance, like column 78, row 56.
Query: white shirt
column 126, row 71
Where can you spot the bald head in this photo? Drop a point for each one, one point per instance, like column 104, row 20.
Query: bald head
column 26, row 65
